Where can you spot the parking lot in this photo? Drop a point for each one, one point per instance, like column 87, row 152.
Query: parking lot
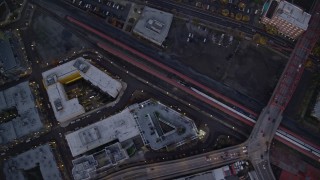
column 218, row 57
column 88, row 96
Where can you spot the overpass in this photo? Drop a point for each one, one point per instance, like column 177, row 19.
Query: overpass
column 271, row 116
column 188, row 165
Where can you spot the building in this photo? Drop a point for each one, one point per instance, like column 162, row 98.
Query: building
column 157, row 125
column 65, row 109
column 86, row 167
column 27, row 119
column 153, row 25
column 37, row 161
column 290, row 20
column 12, row 62
column 119, row 127
column 162, row 127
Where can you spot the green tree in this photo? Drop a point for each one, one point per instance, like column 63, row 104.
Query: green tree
column 246, row 18
column 316, row 50
column 225, row 12
column 224, row 1
column 242, row 5
column 238, row 16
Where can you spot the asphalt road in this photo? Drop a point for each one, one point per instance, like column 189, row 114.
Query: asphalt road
column 189, row 165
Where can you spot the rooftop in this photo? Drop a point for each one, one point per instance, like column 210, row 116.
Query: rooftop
column 63, row 107
column 161, row 126
column 120, row 126
column 293, row 14
column 54, row 79
column 15, row 167
column 89, row 72
column 154, row 25
column 158, row 125
column 28, row 121
column 84, row 167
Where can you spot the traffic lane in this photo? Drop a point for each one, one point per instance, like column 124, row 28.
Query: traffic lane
column 264, row 171
column 175, row 168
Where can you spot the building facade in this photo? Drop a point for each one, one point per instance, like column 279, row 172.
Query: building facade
column 290, row 20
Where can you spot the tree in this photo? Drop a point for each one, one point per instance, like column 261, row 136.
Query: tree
column 271, row 29
column 316, row 50
column 246, row 18
column 309, row 63
column 238, row 16
column 242, row 5
column 225, row 12
column 256, row 38
column 263, row 40
column 224, row 1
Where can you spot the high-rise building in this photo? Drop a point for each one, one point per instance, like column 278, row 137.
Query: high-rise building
column 289, row 19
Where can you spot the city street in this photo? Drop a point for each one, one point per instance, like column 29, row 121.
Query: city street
column 141, row 82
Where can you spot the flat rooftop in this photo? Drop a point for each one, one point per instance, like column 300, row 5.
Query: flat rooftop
column 92, row 74
column 85, row 167
column 153, row 25
column 69, row 107
column 28, row 119
column 293, row 14
column 161, row 126
column 120, row 126
column 54, row 79
column 15, row 167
